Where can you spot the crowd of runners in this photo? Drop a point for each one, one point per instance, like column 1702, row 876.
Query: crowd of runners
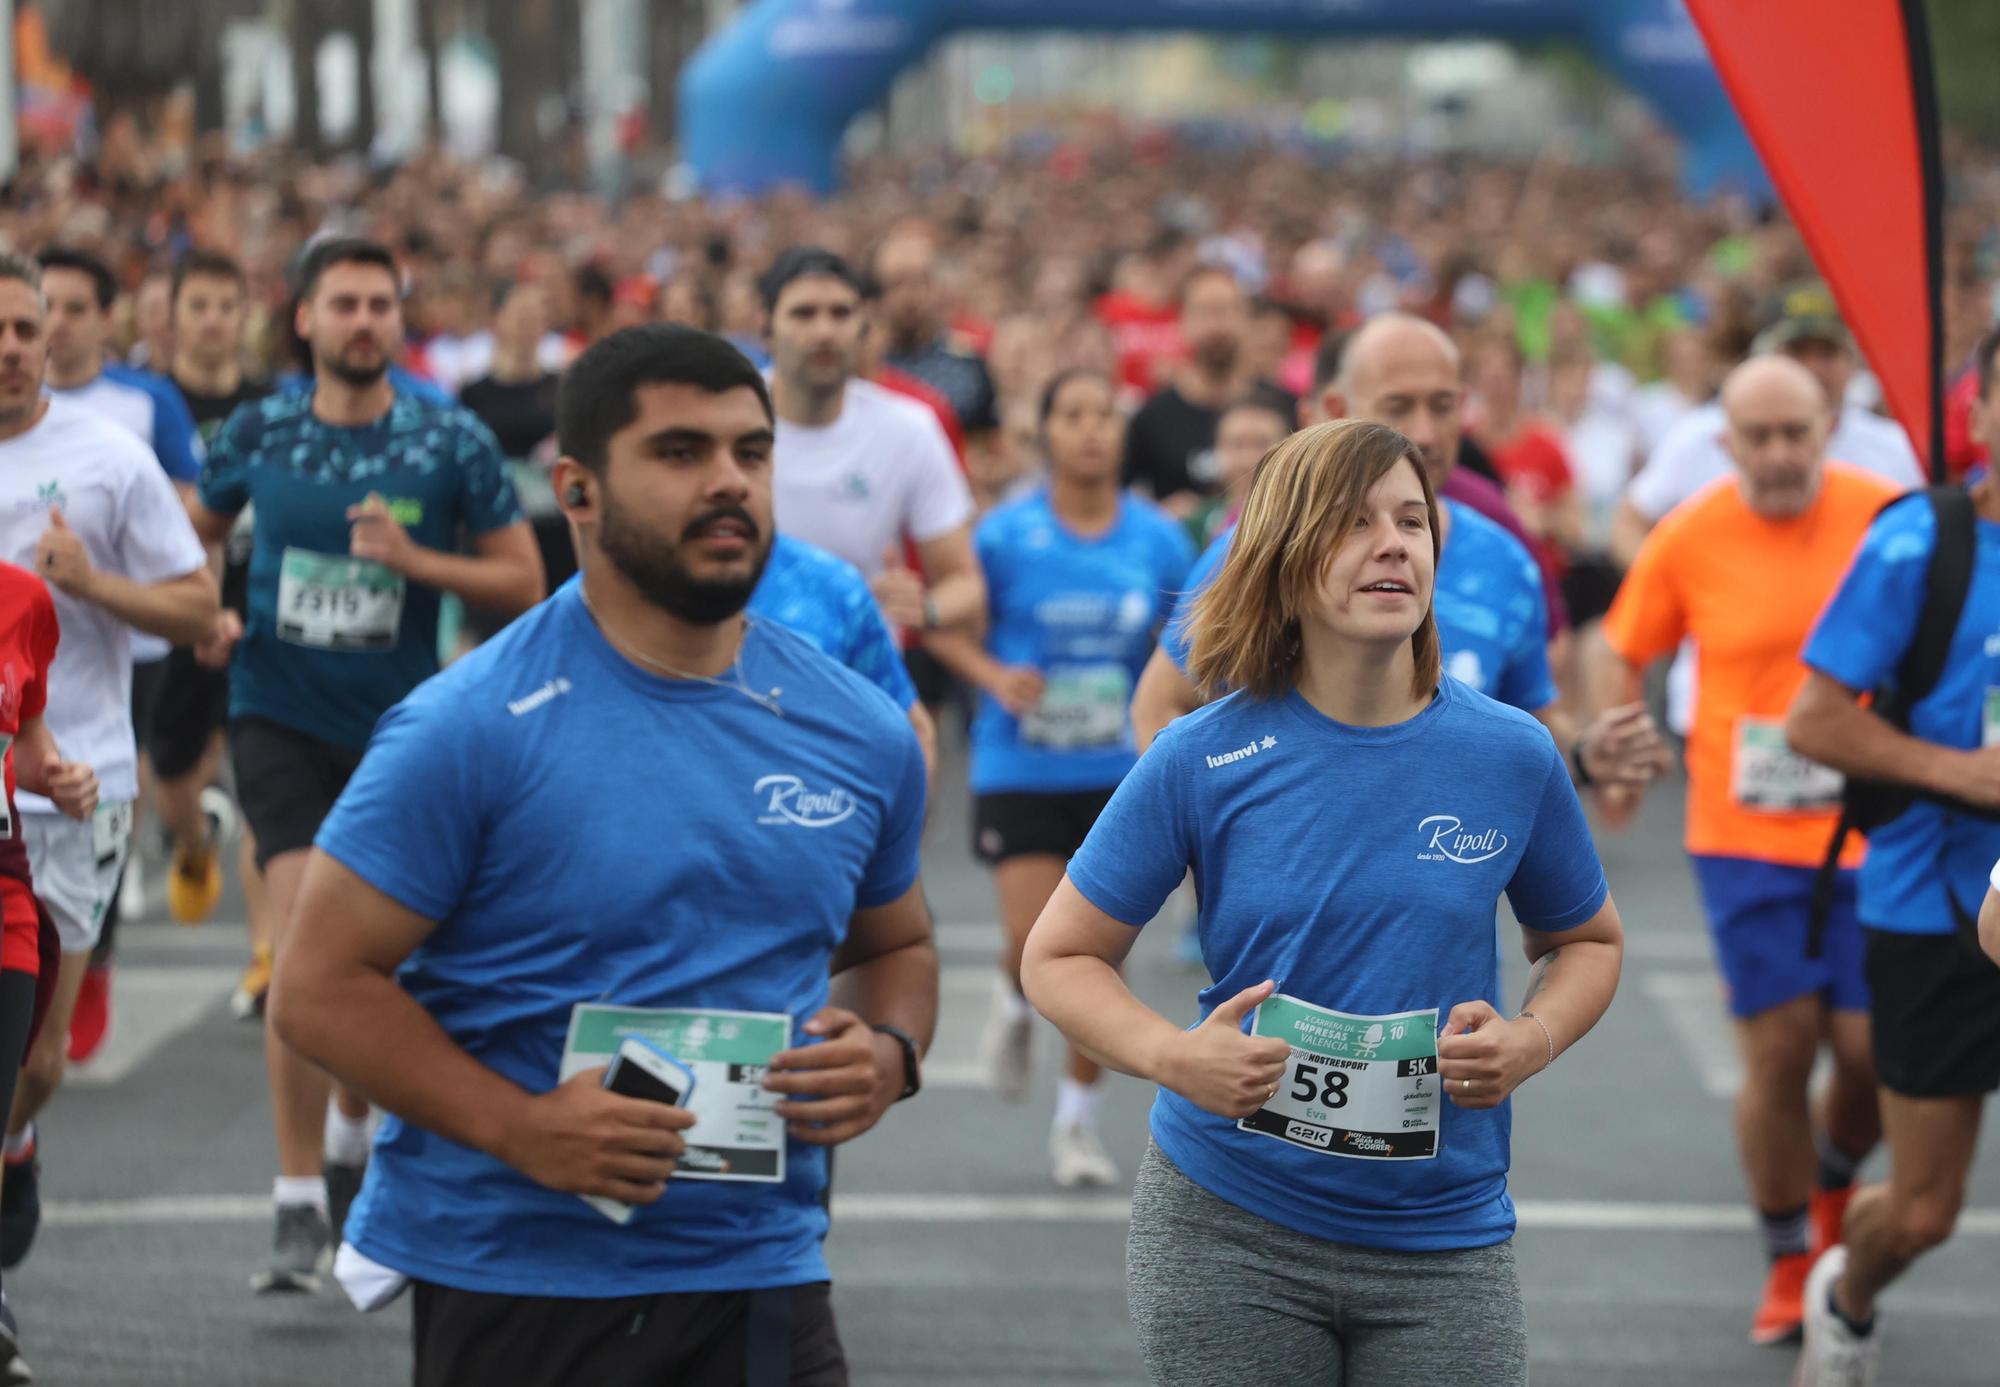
column 557, row 616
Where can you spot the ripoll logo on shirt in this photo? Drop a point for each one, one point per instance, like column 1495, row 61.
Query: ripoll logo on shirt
column 1242, row 753
column 1445, row 840
column 788, row 801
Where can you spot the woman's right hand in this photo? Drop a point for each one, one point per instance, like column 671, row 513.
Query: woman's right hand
column 1221, row 1070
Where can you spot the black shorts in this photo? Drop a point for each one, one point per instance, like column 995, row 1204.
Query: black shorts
column 286, row 782
column 1935, row 1004
column 778, row 1338
column 146, row 680
column 191, row 707
column 1023, row 824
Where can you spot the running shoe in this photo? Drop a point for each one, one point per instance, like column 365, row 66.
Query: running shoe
column 343, row 1182
column 1781, row 1313
column 92, row 1018
column 1006, row 1046
column 194, row 883
column 300, row 1251
column 247, row 1004
column 1833, row 1355
column 13, row 1367
column 1077, row 1157
column 1829, row 1216
column 20, row 1210
column 220, row 810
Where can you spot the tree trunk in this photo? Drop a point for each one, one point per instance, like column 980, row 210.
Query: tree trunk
column 674, row 27
column 429, row 40
column 210, row 115
column 361, row 23
column 308, row 31
column 524, row 33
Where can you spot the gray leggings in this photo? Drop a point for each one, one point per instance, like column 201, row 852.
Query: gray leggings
column 1222, row 1297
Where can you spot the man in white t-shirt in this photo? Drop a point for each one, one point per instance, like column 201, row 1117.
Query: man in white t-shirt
column 84, row 504
column 858, row 468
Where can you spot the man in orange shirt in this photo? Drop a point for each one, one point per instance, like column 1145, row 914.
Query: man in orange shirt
column 1744, row 568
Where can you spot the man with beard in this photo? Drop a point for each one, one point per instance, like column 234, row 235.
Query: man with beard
column 1170, row 446
column 362, row 493
column 605, row 787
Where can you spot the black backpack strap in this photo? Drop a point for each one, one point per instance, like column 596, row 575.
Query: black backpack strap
column 1947, row 580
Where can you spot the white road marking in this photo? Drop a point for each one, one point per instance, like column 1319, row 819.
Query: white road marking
column 1542, row 1215
column 149, row 1008
column 1692, row 1006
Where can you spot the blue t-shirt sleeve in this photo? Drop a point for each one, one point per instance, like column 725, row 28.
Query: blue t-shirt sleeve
column 419, row 849
column 174, row 438
column 1177, row 560
column 870, row 650
column 486, row 493
column 1139, row 849
column 1867, row 628
column 225, row 473
column 1174, row 638
column 892, row 871
column 1527, row 682
column 1559, row 883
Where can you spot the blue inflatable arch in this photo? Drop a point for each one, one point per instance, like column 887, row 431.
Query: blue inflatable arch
column 767, row 100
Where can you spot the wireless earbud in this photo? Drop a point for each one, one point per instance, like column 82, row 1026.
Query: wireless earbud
column 576, row 495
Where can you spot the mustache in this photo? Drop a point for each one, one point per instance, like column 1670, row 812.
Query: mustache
column 727, row 511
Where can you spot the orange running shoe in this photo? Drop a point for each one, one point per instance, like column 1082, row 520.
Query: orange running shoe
column 93, row 1014
column 1829, row 1213
column 1781, row 1314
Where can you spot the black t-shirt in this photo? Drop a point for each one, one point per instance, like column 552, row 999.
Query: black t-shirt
column 211, row 410
column 521, row 415
column 958, row 376
column 1170, row 444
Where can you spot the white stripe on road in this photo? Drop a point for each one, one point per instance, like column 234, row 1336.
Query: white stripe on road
column 1544, row 1215
column 1692, row 1005
column 149, row 1008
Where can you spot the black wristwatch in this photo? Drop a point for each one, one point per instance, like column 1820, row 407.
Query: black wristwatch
column 1583, row 775
column 913, row 1078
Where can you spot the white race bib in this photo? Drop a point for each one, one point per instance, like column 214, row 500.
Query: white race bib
column 736, row 1135
column 1989, row 721
column 1365, row 1087
column 110, row 831
column 1768, row 777
column 1082, row 706
column 336, row 602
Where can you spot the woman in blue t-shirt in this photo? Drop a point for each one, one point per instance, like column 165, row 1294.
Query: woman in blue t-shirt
column 1079, row 575
column 1325, row 1199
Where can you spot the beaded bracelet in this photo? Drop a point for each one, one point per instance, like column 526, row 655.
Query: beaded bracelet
column 1546, row 1035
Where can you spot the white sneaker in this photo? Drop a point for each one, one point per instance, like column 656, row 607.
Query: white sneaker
column 1077, row 1157
column 1007, row 1043
column 1833, row 1355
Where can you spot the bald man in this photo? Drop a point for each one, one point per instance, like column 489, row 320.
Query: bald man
column 1743, row 569
column 1402, row 371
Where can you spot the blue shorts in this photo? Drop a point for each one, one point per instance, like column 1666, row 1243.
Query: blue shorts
column 1758, row 916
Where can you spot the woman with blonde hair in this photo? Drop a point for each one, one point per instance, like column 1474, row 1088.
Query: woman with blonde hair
column 1325, row 1199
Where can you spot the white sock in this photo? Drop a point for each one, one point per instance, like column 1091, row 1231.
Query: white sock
column 346, row 1137
column 21, row 1143
column 299, row 1189
column 1076, row 1104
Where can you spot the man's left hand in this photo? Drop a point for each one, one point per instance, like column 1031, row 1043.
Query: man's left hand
column 839, row 1088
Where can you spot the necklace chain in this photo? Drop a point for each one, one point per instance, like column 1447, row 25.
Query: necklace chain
column 736, row 685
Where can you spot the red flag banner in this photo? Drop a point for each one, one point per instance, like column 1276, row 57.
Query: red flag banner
column 1844, row 113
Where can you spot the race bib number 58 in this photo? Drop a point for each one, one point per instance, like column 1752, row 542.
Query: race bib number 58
column 1364, row 1087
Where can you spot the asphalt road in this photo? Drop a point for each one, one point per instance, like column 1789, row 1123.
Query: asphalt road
column 956, row 1260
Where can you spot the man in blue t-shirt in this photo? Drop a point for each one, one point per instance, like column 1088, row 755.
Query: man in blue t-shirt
column 644, row 813
column 1934, row 998
column 824, row 598
column 363, row 497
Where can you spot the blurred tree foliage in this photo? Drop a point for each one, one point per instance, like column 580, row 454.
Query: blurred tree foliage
column 1966, row 37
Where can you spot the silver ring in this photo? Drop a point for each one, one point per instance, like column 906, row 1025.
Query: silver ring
column 1272, row 1094
column 1465, row 1085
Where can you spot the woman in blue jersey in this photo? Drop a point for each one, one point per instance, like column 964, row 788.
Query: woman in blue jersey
column 1325, row 1200
column 1079, row 576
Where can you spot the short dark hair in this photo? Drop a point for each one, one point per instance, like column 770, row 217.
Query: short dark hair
column 596, row 400
column 1327, row 357
column 805, row 262
column 1983, row 357
column 344, row 250
column 204, row 264
column 1061, row 379
column 102, row 282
